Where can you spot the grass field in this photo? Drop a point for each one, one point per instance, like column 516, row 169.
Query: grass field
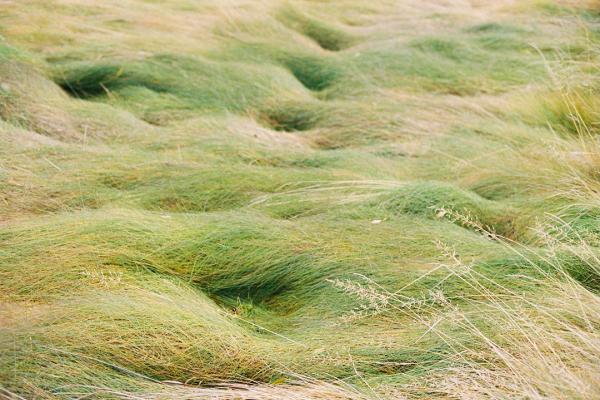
column 259, row 199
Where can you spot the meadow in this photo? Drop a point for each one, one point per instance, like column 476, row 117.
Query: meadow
column 351, row 199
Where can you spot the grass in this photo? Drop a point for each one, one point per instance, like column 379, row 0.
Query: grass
column 317, row 200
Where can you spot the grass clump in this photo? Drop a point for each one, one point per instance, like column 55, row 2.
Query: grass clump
column 571, row 112
column 462, row 65
column 327, row 36
column 440, row 200
column 152, row 86
column 314, row 73
column 293, row 116
column 94, row 80
column 171, row 331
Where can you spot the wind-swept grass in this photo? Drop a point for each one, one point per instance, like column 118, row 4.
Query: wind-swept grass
column 317, row 200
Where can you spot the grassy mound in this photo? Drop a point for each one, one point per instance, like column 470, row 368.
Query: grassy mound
column 327, row 36
column 439, row 200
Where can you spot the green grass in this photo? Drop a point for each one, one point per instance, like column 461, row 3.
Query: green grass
column 321, row 200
